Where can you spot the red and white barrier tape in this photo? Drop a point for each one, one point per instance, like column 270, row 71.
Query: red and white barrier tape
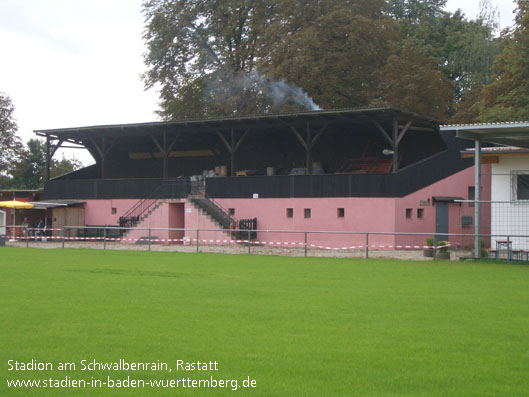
column 211, row 241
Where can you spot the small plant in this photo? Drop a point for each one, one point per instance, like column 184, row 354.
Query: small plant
column 442, row 246
column 429, row 241
column 484, row 253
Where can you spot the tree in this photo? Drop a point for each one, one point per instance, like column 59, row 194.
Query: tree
column 30, row 169
column 332, row 50
column 507, row 97
column 228, row 57
column 10, row 144
column 414, row 13
column 194, row 45
column 411, row 81
column 64, row 166
column 463, row 49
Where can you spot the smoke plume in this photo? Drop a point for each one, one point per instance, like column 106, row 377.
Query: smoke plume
column 279, row 91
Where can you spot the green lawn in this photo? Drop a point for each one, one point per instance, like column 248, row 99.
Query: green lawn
column 297, row 326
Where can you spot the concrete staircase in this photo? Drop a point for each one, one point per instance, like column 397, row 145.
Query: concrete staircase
column 145, row 216
column 214, row 213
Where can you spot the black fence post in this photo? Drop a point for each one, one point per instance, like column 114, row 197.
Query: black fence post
column 305, row 243
column 63, row 236
column 105, row 238
column 367, row 245
column 197, row 241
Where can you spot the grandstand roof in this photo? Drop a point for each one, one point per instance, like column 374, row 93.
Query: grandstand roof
column 505, row 133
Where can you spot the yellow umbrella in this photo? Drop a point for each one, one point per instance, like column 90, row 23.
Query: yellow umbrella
column 15, row 205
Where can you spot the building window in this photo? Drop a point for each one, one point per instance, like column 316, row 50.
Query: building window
column 471, row 195
column 341, row 212
column 114, row 211
column 290, row 212
column 520, row 185
column 231, row 211
column 408, row 213
column 420, row 213
column 307, row 213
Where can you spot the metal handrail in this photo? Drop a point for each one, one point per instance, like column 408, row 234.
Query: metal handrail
column 144, row 205
column 233, row 220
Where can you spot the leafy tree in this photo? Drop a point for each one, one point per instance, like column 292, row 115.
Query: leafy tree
column 463, row 49
column 226, row 57
column 332, row 50
column 64, row 166
column 507, row 97
column 414, row 13
column 10, row 144
column 30, row 169
column 215, row 58
column 410, row 81
column 195, row 44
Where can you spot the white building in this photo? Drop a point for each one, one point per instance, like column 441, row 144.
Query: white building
column 509, row 194
column 509, row 179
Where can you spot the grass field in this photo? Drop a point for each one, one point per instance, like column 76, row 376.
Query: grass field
column 297, row 326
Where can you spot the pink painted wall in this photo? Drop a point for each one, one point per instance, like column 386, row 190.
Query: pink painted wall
column 99, row 212
column 168, row 215
column 361, row 215
column 454, row 186
column 196, row 219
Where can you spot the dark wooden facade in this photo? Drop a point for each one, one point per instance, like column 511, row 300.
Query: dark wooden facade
column 361, row 146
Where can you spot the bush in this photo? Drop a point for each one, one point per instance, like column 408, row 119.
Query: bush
column 443, row 245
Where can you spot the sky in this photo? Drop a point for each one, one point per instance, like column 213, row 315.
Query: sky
column 71, row 63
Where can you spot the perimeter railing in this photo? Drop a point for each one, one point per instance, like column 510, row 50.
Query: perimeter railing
column 278, row 242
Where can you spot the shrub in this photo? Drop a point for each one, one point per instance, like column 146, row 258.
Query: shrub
column 443, row 246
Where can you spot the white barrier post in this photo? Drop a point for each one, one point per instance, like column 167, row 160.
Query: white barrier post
column 305, row 243
column 149, row 239
column 249, row 249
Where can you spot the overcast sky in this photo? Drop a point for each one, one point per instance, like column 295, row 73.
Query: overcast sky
column 69, row 63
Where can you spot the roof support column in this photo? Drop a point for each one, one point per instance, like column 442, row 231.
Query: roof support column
column 232, row 153
column 309, row 143
column 103, row 157
column 477, row 198
column 233, row 146
column 102, row 150
column 50, row 151
column 165, row 148
column 394, row 140
column 165, row 155
column 309, row 150
column 48, row 158
column 395, row 159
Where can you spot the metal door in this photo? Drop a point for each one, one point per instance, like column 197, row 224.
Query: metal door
column 441, row 220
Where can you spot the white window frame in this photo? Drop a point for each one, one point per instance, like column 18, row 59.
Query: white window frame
column 514, row 185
